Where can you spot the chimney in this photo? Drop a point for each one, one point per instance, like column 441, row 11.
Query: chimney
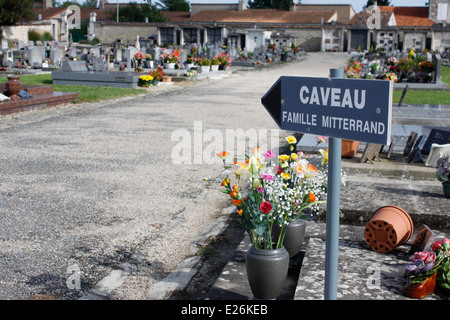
column 47, row 4
column 242, row 5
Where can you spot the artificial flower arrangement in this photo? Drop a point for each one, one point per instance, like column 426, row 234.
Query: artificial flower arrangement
column 270, row 189
column 224, row 59
column 427, row 264
column 391, row 76
column 443, row 169
column 172, row 57
column 139, row 56
column 157, row 73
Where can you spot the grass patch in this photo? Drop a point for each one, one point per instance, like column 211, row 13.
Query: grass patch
column 426, row 96
column 87, row 94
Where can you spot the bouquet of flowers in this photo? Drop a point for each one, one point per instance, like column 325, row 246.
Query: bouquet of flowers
column 139, row 56
column 148, row 56
column 157, row 73
column 173, row 57
column 224, row 59
column 443, row 169
column 271, row 190
column 391, row 76
column 426, row 263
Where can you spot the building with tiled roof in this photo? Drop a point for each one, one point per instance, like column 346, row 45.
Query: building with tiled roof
column 313, row 27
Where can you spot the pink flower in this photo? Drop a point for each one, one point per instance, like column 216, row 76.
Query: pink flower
column 267, row 177
column 321, row 139
column 260, row 190
column 265, row 207
column 425, row 256
column 269, row 155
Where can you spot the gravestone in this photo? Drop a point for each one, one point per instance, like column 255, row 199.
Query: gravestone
column 415, row 155
column 371, row 152
column 4, row 44
column 73, row 52
column 436, row 136
column 129, row 55
column 36, row 55
column 98, row 64
column 57, row 56
column 409, row 144
column 437, row 151
column 95, row 52
column 75, row 66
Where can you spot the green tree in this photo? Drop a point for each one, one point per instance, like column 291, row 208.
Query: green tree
column 379, row 2
column 175, row 5
column 13, row 11
column 270, row 4
column 134, row 12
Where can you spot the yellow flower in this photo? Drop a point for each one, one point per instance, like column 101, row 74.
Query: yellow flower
column 285, row 175
column 294, row 156
column 291, row 139
column 324, row 154
column 283, row 158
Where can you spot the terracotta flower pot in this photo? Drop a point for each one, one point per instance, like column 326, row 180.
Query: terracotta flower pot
column 389, row 227
column 349, row 148
column 420, row 290
column 13, row 86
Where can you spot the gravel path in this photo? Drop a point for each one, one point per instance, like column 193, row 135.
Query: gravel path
column 93, row 188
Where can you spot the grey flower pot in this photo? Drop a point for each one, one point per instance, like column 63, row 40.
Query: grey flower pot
column 295, row 235
column 266, row 271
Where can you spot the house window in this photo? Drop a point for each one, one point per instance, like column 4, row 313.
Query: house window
column 166, row 35
column 214, row 35
column 190, row 35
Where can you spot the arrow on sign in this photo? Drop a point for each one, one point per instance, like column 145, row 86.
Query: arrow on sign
column 272, row 101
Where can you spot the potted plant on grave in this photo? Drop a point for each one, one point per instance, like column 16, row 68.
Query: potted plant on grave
column 268, row 191
column 206, row 65
column 215, row 64
column 443, row 173
column 145, row 81
column 225, row 61
column 170, row 59
column 428, row 268
column 157, row 75
column 189, row 62
column 139, row 57
column 148, row 60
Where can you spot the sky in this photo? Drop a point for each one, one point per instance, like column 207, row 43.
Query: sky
column 356, row 4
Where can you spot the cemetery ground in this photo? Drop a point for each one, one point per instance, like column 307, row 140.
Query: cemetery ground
column 90, row 191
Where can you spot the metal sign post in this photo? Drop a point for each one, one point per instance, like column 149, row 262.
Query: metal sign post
column 340, row 109
column 333, row 204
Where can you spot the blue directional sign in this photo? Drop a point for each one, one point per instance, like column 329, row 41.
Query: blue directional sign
column 353, row 109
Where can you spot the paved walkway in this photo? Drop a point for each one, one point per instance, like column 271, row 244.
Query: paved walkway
column 94, row 192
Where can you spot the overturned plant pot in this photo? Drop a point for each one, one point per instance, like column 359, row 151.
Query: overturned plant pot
column 389, row 227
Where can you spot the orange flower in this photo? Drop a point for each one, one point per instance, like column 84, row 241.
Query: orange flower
column 234, row 194
column 239, row 212
column 225, row 182
column 236, row 202
column 311, row 198
column 223, row 154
